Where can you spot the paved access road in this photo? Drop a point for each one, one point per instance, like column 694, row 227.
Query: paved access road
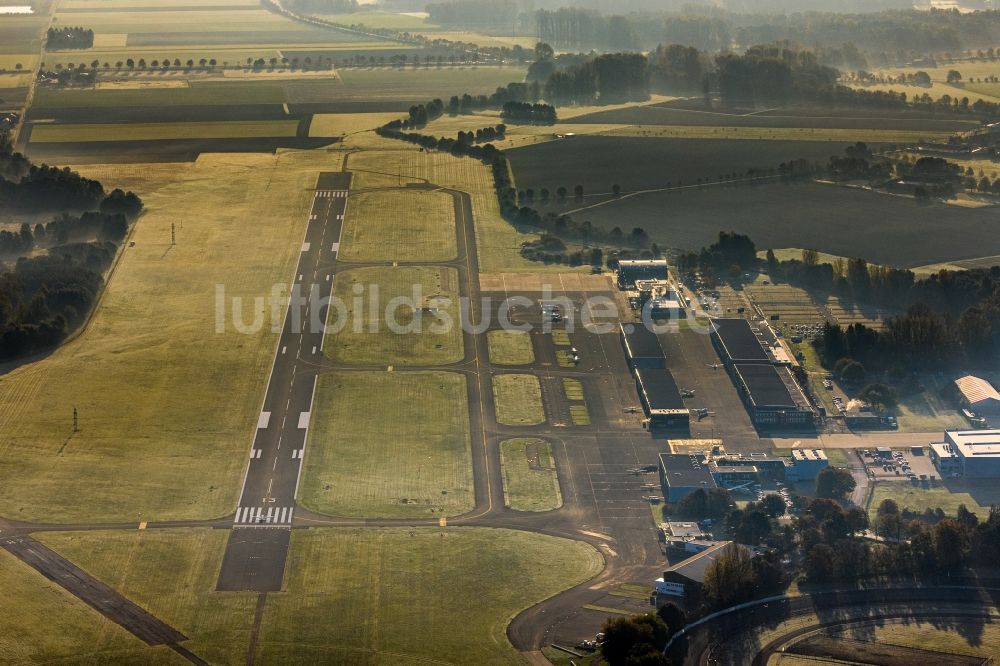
column 258, row 544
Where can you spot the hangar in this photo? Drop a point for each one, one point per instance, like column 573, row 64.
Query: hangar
column 661, row 401
column 979, row 396
column 771, row 395
column 642, row 347
column 630, row 270
column 737, row 342
column 974, row 454
column 681, row 474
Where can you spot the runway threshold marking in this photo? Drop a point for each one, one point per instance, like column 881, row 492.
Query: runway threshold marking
column 264, row 419
column 304, row 420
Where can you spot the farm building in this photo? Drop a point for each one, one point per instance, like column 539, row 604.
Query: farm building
column 630, row 270
column 642, row 347
column 684, row 580
column 737, row 342
column 661, row 401
column 682, row 474
column 806, row 464
column 771, row 395
column 979, row 395
column 976, row 453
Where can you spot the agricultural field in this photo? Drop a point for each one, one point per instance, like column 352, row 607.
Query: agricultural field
column 415, row 24
column 530, row 482
column 352, row 594
column 510, row 348
column 153, row 345
column 973, row 90
column 637, row 163
column 340, row 124
column 884, row 229
column 693, row 113
column 423, row 332
column 415, row 464
column 70, row 133
column 518, row 399
column 425, row 83
column 399, row 225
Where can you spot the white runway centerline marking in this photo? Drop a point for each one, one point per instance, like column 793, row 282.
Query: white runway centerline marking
column 265, row 418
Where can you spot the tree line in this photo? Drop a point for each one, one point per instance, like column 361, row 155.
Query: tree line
column 44, row 296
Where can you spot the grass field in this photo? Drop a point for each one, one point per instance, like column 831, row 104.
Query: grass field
column 172, row 574
column 518, row 399
column 417, row 463
column 41, row 622
column 510, row 348
column 497, row 241
column 145, row 375
column 399, row 225
column 985, row 641
column 426, row 331
column 222, row 129
column 530, row 482
column 919, row 498
column 413, row 596
column 426, row 83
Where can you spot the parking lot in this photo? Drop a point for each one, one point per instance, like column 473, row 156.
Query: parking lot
column 902, row 465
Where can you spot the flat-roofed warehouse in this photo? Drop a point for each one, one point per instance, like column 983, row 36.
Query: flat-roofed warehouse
column 661, row 401
column 642, row 347
column 977, row 451
column 630, row 270
column 771, row 395
column 979, row 396
column 736, row 342
column 681, row 474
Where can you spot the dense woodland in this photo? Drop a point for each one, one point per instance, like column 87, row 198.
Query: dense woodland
column 54, row 270
column 69, row 38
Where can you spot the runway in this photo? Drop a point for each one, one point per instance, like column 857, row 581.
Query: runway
column 258, row 544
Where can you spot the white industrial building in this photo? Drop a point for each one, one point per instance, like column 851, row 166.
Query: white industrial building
column 806, row 464
column 974, row 454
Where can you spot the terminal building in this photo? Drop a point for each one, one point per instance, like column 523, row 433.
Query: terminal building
column 661, row 401
column 642, row 347
column 974, row 454
column 630, row 270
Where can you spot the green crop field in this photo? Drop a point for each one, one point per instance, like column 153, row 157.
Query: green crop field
column 518, row 399
column 223, row 129
column 146, row 373
column 415, row 464
column 530, row 482
column 424, row 332
column 510, row 348
column 400, row 225
column 354, row 596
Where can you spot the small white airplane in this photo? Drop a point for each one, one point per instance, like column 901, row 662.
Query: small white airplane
column 714, row 366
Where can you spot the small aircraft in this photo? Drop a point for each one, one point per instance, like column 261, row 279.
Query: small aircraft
column 687, row 393
column 714, row 366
